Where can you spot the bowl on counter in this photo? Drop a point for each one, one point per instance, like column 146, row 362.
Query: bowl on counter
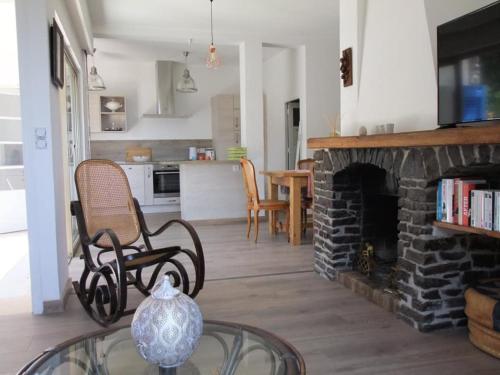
column 140, row 158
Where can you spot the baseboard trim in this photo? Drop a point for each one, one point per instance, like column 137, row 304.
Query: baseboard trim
column 58, row 306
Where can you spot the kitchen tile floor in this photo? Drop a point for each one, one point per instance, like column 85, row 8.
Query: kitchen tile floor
column 272, row 285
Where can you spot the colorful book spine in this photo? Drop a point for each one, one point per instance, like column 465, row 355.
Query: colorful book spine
column 473, row 208
column 488, row 210
column 456, row 199
column 465, row 188
column 496, row 211
column 448, row 187
column 439, row 205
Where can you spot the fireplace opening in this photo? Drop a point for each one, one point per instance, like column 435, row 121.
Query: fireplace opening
column 377, row 252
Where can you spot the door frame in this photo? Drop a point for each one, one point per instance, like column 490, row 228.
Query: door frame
column 289, row 124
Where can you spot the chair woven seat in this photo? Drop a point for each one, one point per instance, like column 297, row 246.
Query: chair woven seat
column 133, row 261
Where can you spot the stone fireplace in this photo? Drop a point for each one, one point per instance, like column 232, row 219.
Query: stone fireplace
column 387, row 197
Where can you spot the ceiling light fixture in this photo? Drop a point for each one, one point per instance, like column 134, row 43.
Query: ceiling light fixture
column 186, row 84
column 95, row 81
column 213, row 60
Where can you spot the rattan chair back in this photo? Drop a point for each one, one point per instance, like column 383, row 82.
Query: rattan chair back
column 107, row 201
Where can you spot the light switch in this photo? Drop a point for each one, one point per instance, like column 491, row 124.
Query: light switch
column 41, row 138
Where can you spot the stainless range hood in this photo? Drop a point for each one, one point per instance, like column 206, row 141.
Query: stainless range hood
column 165, row 90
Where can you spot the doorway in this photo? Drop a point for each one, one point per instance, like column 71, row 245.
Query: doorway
column 292, row 115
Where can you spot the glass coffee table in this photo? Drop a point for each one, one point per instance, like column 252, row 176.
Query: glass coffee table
column 224, row 349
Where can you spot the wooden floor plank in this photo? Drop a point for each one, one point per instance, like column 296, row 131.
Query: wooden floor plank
column 271, row 285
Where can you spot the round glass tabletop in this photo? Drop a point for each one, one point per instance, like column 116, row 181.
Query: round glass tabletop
column 224, row 349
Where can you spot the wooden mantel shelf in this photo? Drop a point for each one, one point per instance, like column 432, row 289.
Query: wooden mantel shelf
column 440, row 137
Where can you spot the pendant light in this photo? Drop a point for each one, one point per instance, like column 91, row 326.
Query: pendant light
column 213, row 60
column 95, row 81
column 186, row 84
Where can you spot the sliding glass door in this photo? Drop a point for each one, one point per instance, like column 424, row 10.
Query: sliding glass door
column 74, row 137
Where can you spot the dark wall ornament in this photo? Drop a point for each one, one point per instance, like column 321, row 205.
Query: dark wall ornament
column 56, row 55
column 346, row 67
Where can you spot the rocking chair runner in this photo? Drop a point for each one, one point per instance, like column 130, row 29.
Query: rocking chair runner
column 110, row 219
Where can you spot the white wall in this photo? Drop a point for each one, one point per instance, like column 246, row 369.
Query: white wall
column 307, row 73
column 394, row 46
column 136, row 81
column 45, row 171
column 9, row 74
column 322, row 94
column 280, row 87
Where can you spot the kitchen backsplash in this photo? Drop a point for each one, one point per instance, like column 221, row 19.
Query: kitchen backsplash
column 162, row 150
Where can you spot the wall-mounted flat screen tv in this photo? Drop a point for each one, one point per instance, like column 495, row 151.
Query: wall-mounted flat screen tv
column 469, row 68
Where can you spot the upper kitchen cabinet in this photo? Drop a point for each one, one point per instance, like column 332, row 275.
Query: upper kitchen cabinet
column 225, row 123
column 107, row 113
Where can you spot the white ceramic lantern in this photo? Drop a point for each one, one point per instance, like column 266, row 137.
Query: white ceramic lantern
column 167, row 326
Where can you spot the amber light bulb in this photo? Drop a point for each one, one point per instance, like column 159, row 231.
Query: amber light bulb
column 213, row 60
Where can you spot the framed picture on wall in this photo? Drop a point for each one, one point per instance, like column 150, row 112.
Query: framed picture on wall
column 57, row 55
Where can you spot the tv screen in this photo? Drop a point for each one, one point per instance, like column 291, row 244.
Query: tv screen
column 469, row 67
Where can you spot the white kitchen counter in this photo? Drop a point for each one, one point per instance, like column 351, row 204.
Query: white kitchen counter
column 212, row 190
column 173, row 162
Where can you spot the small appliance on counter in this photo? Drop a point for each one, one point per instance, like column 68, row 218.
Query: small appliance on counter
column 209, row 154
column 201, row 154
column 193, row 153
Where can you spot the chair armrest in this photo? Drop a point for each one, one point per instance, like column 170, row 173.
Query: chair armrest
column 194, row 237
column 116, row 247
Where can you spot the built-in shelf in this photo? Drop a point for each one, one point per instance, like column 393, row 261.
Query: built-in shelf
column 441, row 137
column 102, row 119
column 461, row 228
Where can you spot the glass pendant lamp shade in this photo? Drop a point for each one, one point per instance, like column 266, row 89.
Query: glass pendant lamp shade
column 186, row 83
column 95, row 82
column 213, row 60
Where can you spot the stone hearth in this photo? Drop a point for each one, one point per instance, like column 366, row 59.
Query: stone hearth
column 433, row 267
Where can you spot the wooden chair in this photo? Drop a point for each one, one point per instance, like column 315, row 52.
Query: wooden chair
column 255, row 204
column 308, row 194
column 110, row 219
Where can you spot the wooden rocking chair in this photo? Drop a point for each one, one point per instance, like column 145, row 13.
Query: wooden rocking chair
column 110, row 219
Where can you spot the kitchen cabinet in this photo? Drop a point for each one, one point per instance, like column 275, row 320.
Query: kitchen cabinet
column 140, row 179
column 104, row 119
column 226, row 123
column 212, row 191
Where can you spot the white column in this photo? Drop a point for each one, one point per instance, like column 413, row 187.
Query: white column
column 252, row 105
column 42, row 158
column 320, row 85
column 351, row 30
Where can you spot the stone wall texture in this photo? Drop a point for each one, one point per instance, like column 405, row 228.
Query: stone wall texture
column 435, row 267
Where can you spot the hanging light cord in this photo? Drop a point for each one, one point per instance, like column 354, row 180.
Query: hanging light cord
column 211, row 21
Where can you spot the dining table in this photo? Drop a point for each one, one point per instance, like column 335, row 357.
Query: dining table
column 295, row 180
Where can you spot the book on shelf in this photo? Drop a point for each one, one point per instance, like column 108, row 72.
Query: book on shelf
column 463, row 191
column 496, row 210
column 482, row 209
column 439, row 203
column 447, row 199
column 468, row 202
column 487, row 210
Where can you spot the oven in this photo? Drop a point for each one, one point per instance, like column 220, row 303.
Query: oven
column 166, row 184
